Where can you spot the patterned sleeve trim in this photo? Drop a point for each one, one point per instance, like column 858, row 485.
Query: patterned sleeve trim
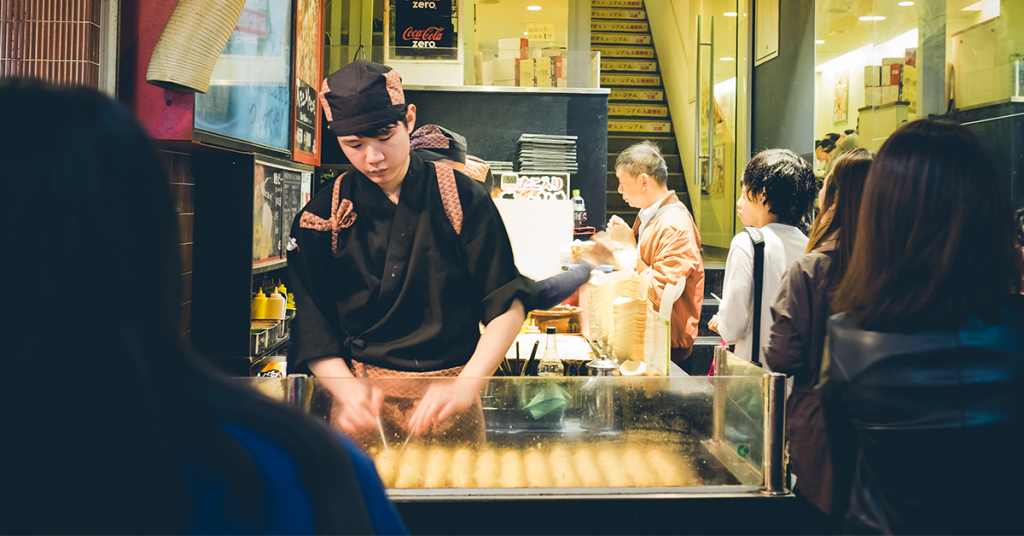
column 342, row 216
column 449, row 195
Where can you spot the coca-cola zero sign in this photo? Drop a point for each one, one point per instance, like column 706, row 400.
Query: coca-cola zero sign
column 423, row 24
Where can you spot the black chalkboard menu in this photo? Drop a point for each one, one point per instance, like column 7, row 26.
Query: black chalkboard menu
column 278, row 195
column 423, row 26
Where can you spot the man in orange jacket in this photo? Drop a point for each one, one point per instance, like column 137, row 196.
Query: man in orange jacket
column 667, row 241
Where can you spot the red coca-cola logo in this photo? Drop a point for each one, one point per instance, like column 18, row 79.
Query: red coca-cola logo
column 430, row 34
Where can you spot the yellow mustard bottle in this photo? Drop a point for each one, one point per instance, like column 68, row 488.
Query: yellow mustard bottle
column 259, row 306
column 291, row 302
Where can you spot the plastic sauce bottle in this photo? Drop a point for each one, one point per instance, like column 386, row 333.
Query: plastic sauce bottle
column 550, row 364
column 259, row 306
column 276, row 306
column 579, row 210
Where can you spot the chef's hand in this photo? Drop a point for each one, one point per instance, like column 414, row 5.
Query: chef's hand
column 442, row 400
column 357, row 406
column 621, row 232
column 713, row 323
column 601, row 253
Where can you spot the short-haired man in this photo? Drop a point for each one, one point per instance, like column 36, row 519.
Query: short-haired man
column 667, row 241
column 778, row 189
column 395, row 265
column 823, row 156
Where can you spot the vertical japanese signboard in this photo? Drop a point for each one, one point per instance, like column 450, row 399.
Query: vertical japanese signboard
column 308, row 67
column 425, row 24
column 279, row 194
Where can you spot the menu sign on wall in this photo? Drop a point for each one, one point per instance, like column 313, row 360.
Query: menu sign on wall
column 278, row 195
column 424, row 24
column 308, row 67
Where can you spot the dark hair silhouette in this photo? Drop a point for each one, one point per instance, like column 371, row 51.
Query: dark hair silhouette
column 833, row 136
column 845, row 186
column 105, row 396
column 826, row 145
column 788, row 184
column 935, row 234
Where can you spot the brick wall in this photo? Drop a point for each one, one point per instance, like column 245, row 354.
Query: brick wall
column 179, row 169
column 56, row 40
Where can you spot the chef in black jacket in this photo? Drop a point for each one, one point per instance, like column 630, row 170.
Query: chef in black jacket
column 394, row 265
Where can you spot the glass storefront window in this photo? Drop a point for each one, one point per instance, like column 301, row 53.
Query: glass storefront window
column 250, row 92
column 882, row 63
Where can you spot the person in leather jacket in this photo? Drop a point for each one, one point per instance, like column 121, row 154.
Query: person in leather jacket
column 923, row 373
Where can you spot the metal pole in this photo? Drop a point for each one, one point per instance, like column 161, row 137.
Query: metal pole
column 298, row 388
column 696, row 113
column 774, row 387
column 711, row 104
column 718, row 409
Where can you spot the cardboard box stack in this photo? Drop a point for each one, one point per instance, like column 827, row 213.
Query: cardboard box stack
column 893, row 81
column 516, row 67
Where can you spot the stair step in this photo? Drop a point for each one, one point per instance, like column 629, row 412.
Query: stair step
column 660, row 127
column 621, row 39
column 637, row 94
column 627, row 215
column 618, row 14
column 673, row 161
column 624, row 52
column 619, row 141
column 629, row 65
column 708, row 309
column 713, row 280
column 616, row 26
column 628, row 4
column 637, row 110
column 651, row 80
column 676, row 181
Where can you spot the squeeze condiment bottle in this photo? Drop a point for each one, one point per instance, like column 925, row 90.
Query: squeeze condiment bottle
column 291, row 302
column 259, row 306
column 275, row 306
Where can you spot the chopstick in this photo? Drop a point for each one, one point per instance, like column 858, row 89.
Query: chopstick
column 380, row 425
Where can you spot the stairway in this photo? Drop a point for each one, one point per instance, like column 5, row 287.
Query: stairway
column 637, row 109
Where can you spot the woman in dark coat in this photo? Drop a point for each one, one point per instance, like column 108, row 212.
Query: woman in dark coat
column 923, row 374
column 797, row 337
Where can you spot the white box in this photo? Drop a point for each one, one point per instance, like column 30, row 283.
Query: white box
column 516, row 47
column 503, row 69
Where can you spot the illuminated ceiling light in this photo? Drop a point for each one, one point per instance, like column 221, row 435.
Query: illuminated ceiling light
column 533, row 8
column 526, row 33
column 905, row 4
column 819, row 41
column 727, row 58
column 872, row 18
column 730, row 13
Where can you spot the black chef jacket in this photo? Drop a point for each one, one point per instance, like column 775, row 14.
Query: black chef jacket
column 399, row 289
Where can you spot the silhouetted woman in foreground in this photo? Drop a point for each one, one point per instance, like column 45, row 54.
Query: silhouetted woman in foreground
column 110, row 423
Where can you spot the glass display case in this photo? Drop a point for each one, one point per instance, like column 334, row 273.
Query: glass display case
column 523, row 437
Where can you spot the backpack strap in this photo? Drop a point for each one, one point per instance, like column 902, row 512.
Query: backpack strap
column 663, row 210
column 449, row 195
column 758, row 240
